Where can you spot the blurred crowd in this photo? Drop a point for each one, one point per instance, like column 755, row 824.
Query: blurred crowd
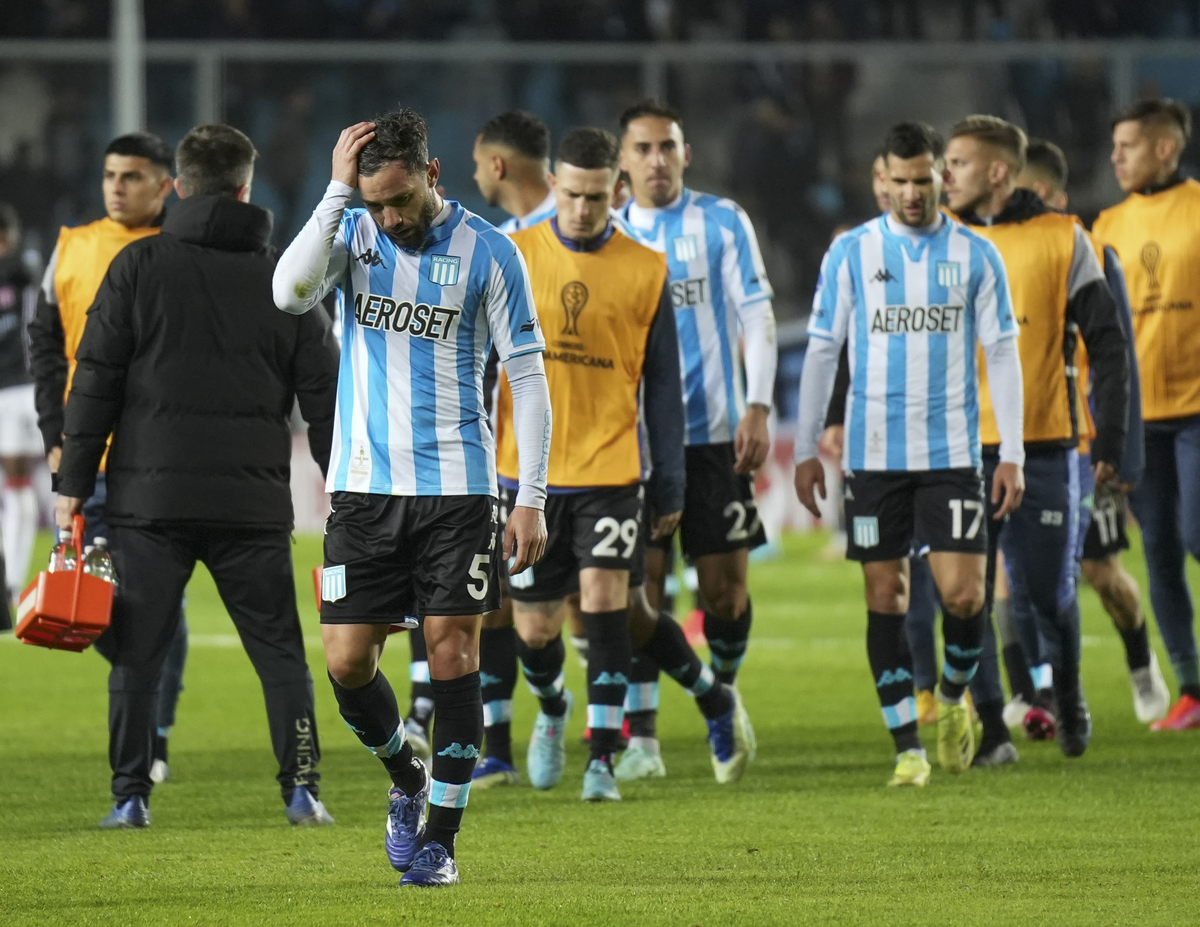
column 615, row 20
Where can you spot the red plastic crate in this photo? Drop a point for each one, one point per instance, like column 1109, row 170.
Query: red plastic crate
column 65, row 611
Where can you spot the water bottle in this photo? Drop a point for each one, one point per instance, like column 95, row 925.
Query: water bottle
column 98, row 563
column 62, row 558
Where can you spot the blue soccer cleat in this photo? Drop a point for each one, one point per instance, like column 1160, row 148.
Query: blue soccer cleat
column 130, row 814
column 732, row 740
column 548, row 747
column 305, row 811
column 405, row 822
column 491, row 772
column 432, row 866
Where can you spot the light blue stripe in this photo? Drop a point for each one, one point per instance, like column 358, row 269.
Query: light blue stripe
column 470, row 374
column 502, row 250
column 715, row 243
column 381, row 279
column 345, row 398
column 1065, row 591
column 695, row 400
column 959, row 677
column 427, row 460
column 1042, row 676
column 418, row 671
column 438, row 794
column 606, row 717
column 497, row 712
column 859, row 375
column 897, row 357
column 642, row 696
column 971, row 388
column 898, row 715
column 392, row 747
column 938, row 348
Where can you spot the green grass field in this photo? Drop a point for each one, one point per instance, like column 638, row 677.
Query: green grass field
column 810, row 836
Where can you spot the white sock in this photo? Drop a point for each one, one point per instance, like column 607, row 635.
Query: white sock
column 19, row 528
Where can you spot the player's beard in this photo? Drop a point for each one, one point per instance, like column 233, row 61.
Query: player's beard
column 413, row 235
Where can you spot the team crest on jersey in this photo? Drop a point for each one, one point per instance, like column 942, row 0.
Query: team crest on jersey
column 333, row 583
column 948, row 273
column 686, row 248
column 443, row 269
column 866, row 531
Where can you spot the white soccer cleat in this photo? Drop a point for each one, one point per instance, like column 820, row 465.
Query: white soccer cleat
column 1151, row 697
column 159, row 771
column 1015, row 712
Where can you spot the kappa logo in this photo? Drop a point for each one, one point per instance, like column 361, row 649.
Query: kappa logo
column 891, row 677
column 574, row 299
column 883, row 275
column 371, row 258
column 487, row 679
column 686, row 248
column 948, row 273
column 529, row 326
column 866, row 531
column 443, row 269
column 333, row 583
column 457, row 751
column 610, row 679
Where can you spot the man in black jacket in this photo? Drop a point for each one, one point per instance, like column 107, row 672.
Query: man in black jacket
column 188, row 365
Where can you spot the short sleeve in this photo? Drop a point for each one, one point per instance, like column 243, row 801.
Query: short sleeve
column 512, row 318
column 994, row 319
column 833, row 301
column 744, row 271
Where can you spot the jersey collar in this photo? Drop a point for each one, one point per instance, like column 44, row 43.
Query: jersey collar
column 1173, row 181
column 592, row 244
column 443, row 229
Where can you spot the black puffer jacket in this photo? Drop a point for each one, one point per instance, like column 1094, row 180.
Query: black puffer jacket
column 190, row 366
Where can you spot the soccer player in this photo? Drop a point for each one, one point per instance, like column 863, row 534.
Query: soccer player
column 20, row 442
column 911, row 293
column 1058, row 293
column 1104, row 507
column 1156, row 232
column 512, row 168
column 722, row 299
column 425, row 288
column 136, row 184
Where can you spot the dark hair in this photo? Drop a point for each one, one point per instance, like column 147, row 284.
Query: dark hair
column 912, row 139
column 590, row 148
column 1160, row 114
column 995, row 131
column 519, row 130
column 650, row 107
column 1048, row 159
column 214, row 160
column 10, row 222
column 400, row 136
column 143, row 145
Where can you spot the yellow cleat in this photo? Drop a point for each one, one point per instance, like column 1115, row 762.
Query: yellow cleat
column 955, row 737
column 926, row 708
column 911, row 769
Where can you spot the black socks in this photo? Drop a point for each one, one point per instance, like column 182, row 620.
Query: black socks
column 421, row 709
column 670, row 648
column 457, row 737
column 727, row 642
column 1137, row 647
column 497, row 679
column 544, row 672
column 610, row 654
column 371, row 712
column 641, row 699
column 963, row 639
column 891, row 667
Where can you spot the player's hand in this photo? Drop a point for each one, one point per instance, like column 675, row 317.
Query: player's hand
column 665, row 526
column 524, row 538
column 810, row 482
column 66, row 508
column 54, row 458
column 751, row 441
column 1104, row 473
column 832, row 441
column 345, row 152
column 1008, row 484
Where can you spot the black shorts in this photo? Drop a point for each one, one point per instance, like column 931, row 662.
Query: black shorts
column 887, row 509
column 391, row 556
column 595, row 528
column 1106, row 531
column 719, row 511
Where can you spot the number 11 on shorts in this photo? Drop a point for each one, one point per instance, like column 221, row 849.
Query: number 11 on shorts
column 957, row 507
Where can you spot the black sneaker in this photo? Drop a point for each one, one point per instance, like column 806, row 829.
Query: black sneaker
column 1074, row 720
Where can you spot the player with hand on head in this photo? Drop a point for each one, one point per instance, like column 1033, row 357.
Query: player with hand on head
column 425, row 288
column 912, row 293
column 1059, row 295
column 722, row 301
column 1156, row 233
column 1104, row 508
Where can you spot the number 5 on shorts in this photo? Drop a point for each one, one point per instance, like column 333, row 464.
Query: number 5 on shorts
column 957, row 507
column 479, row 571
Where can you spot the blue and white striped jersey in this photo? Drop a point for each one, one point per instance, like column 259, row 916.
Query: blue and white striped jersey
column 545, row 209
column 417, row 327
column 716, row 271
column 912, row 303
